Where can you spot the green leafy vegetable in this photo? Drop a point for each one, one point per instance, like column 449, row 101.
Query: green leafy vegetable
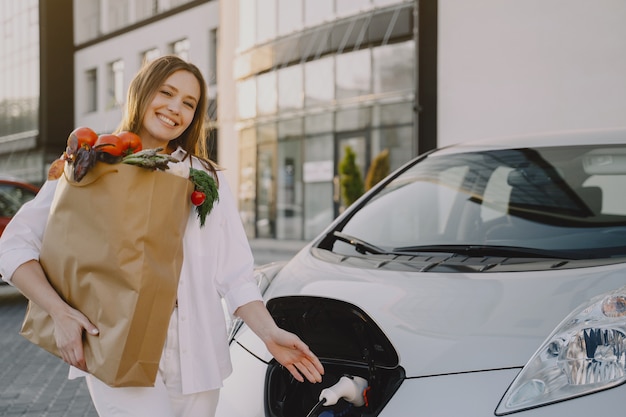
column 205, row 183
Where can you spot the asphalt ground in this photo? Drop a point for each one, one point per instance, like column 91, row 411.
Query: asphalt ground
column 34, row 383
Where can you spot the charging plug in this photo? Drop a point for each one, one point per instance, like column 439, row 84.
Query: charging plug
column 350, row 388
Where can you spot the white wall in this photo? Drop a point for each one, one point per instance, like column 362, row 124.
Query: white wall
column 511, row 67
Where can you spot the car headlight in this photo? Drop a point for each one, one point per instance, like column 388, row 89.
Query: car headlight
column 585, row 354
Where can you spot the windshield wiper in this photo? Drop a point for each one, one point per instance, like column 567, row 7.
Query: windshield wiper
column 487, row 250
column 360, row 245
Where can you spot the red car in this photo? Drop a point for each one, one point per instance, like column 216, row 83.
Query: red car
column 13, row 194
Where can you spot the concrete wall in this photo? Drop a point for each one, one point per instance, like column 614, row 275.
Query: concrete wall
column 511, row 67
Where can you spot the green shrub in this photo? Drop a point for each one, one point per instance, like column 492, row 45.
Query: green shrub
column 378, row 170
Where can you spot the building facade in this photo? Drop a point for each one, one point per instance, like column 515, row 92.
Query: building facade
column 114, row 38
column 36, row 85
column 311, row 78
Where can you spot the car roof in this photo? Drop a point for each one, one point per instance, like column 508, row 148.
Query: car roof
column 609, row 136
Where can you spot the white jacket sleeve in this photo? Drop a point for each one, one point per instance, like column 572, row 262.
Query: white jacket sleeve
column 21, row 240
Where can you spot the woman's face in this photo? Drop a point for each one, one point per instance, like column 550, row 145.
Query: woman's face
column 171, row 110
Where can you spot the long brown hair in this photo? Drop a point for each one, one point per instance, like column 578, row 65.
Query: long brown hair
column 141, row 91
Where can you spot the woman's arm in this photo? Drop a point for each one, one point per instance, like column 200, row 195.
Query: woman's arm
column 69, row 323
column 286, row 347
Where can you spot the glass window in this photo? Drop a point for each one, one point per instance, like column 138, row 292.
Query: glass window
column 290, row 88
column 86, row 20
column 267, row 98
column 12, row 198
column 266, row 20
column 356, row 118
column 318, row 184
column 319, row 123
column 387, row 2
column 289, row 16
column 150, row 55
column 91, row 83
column 354, row 74
column 393, row 114
column 246, row 98
column 247, row 23
column 117, row 13
column 213, row 44
column 181, row 48
column 266, row 191
column 145, row 9
column 247, row 179
column 116, row 84
column 349, row 7
column 289, row 220
column 318, row 11
column 319, row 84
column 399, row 142
column 394, row 67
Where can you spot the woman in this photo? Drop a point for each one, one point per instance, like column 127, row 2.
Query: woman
column 166, row 107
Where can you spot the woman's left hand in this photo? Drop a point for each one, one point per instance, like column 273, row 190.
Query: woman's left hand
column 295, row 355
column 287, row 348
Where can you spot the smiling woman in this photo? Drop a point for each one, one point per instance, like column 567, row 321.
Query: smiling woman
column 166, row 107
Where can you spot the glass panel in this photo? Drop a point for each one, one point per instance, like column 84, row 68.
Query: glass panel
column 91, row 81
column 266, row 20
column 399, row 142
column 181, row 48
column 247, row 179
column 86, row 20
column 289, row 16
column 115, row 90
column 319, row 123
column 394, row 113
column 117, row 14
column 290, row 129
column 394, row 67
column 267, row 99
column 290, row 88
column 289, row 200
column 266, row 191
column 354, row 74
column 213, row 44
column 19, row 58
column 246, row 98
column 267, row 133
column 318, row 184
column 319, row 84
column 349, row 7
column 353, row 119
column 317, row 11
column 247, row 23
column 150, row 55
column 388, row 2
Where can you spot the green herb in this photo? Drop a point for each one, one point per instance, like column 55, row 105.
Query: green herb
column 205, row 183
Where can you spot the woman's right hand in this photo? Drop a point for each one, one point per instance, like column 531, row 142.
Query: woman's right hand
column 69, row 325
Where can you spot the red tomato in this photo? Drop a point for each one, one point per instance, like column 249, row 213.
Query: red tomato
column 111, row 144
column 197, row 198
column 79, row 137
column 131, row 141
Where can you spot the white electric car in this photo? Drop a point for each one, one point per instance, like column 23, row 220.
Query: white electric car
column 481, row 279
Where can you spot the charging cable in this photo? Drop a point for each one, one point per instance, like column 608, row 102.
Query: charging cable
column 350, row 388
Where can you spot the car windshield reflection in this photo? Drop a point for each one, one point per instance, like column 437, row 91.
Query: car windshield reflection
column 564, row 202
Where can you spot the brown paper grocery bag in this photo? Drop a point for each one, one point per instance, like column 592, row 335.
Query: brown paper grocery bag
column 113, row 250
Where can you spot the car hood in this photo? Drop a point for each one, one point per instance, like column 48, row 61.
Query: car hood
column 440, row 323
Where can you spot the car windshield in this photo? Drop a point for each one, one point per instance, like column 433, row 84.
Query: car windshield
column 555, row 201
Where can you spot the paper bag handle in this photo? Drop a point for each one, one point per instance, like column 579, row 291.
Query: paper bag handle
column 97, row 172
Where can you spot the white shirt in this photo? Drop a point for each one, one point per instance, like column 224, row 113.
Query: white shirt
column 218, row 263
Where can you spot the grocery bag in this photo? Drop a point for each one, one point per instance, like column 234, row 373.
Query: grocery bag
column 113, row 250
